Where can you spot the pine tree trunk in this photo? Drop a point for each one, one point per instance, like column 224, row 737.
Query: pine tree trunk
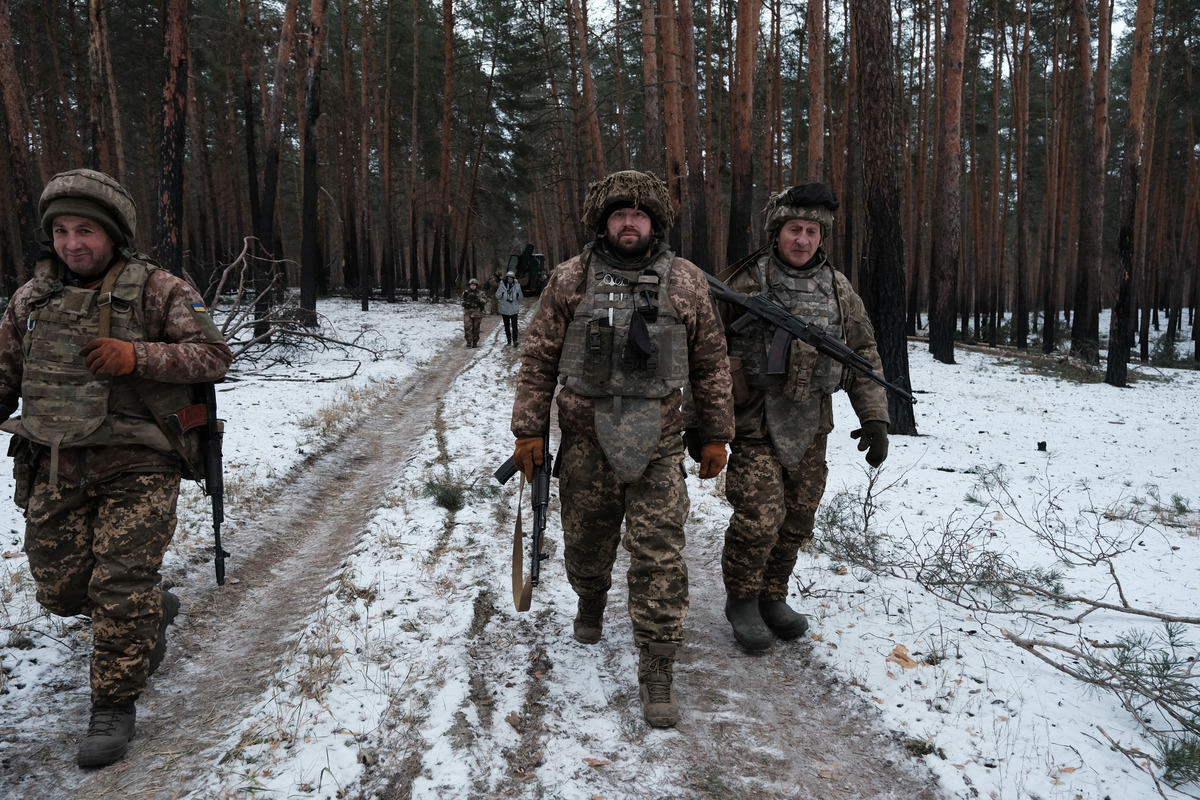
column 871, row 26
column 741, row 154
column 815, row 22
column 169, row 244
column 947, row 205
column 17, row 122
column 310, row 233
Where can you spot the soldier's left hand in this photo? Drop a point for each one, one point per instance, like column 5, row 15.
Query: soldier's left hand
column 108, row 358
column 712, row 459
column 872, row 437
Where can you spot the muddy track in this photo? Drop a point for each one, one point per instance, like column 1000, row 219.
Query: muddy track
column 227, row 641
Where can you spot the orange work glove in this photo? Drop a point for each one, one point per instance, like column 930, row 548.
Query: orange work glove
column 712, row 459
column 108, row 358
column 528, row 454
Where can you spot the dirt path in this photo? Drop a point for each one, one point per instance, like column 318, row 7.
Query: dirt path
column 773, row 725
column 226, row 642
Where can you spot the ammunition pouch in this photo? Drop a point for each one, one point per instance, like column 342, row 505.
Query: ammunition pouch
column 24, row 454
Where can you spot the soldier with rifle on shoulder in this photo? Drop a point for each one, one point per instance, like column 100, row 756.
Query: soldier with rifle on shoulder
column 106, row 353
column 783, row 389
column 624, row 326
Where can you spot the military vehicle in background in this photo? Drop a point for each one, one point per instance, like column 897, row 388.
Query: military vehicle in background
column 530, row 269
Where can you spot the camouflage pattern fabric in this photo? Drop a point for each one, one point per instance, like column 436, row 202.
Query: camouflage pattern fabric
column 654, row 508
column 96, row 550
column 708, row 367
column 773, row 513
column 181, row 345
column 473, row 303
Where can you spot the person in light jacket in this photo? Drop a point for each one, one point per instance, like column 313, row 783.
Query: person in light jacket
column 509, row 294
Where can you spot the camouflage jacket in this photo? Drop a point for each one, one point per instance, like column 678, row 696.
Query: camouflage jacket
column 868, row 398
column 181, row 345
column 708, row 366
column 473, row 302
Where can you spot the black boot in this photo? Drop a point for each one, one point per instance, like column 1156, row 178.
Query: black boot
column 170, row 609
column 748, row 627
column 108, row 736
column 589, row 620
column 780, row 617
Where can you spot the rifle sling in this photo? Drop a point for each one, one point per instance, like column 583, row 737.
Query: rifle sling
column 522, row 587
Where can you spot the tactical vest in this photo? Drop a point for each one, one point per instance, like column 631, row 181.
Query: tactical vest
column 62, row 403
column 627, row 348
column 792, row 399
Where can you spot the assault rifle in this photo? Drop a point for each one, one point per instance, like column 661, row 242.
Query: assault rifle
column 214, row 479
column 788, row 326
column 539, row 498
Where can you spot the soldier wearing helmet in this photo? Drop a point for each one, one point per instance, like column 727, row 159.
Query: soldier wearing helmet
column 777, row 466
column 100, row 347
column 473, row 304
column 625, row 327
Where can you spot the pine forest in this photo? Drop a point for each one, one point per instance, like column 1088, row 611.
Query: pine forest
column 1007, row 169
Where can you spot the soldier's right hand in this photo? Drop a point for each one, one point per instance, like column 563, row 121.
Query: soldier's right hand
column 527, row 454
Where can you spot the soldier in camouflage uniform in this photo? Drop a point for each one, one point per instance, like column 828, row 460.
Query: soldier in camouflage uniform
column 473, row 304
column 777, row 464
column 623, row 327
column 94, row 345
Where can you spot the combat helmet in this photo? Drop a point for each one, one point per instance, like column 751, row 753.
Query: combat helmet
column 812, row 201
column 628, row 189
column 93, row 195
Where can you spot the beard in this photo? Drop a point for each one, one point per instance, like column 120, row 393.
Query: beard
column 626, row 248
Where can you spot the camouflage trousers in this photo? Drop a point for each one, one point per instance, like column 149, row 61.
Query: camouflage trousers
column 774, row 509
column 97, row 550
column 471, row 323
column 594, row 504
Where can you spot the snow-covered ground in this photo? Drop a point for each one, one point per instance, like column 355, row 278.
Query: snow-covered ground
column 1081, row 464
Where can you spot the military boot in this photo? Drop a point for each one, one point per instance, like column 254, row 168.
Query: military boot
column 656, row 670
column 170, row 610
column 108, row 736
column 780, row 617
column 589, row 619
column 748, row 626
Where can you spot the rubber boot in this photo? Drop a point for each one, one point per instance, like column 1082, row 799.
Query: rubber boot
column 748, row 626
column 108, row 736
column 170, row 610
column 779, row 617
column 589, row 619
column 656, row 673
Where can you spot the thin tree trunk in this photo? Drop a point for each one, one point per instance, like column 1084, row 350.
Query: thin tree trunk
column 652, row 81
column 947, row 215
column 169, row 244
column 595, row 155
column 696, row 239
column 741, row 114
column 673, row 123
column 815, row 24
column 310, row 233
column 16, row 116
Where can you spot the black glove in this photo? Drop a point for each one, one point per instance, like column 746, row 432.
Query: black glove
column 691, row 440
column 872, row 437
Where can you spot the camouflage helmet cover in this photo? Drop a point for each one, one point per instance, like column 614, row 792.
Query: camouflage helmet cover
column 812, row 201
column 98, row 193
column 628, row 189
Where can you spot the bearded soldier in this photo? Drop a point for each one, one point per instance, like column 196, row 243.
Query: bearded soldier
column 100, row 347
column 777, row 464
column 624, row 326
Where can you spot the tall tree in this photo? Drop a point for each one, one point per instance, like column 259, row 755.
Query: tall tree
column 741, row 113
column 947, row 204
column 17, row 125
column 815, row 26
column 169, row 241
column 1120, row 334
column 872, row 30
column 310, row 231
